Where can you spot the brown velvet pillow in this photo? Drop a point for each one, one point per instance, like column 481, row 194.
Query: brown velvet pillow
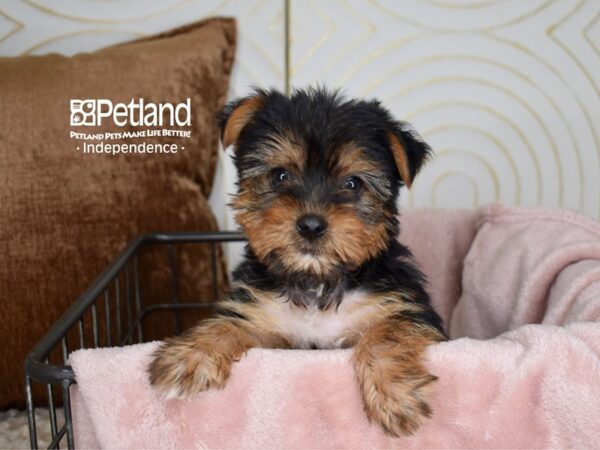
column 64, row 215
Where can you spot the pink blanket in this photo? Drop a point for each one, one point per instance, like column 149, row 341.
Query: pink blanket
column 520, row 290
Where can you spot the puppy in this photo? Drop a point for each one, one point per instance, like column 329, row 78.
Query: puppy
column 319, row 177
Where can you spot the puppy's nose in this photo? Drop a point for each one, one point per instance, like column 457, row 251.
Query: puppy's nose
column 311, row 226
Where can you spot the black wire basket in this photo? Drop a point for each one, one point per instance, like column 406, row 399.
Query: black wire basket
column 111, row 312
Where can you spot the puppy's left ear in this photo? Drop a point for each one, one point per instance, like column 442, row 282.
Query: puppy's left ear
column 236, row 115
column 409, row 150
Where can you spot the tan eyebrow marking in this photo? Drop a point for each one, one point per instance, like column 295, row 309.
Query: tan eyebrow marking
column 351, row 160
column 284, row 151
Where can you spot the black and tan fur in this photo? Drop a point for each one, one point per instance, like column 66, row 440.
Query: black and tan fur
column 319, row 177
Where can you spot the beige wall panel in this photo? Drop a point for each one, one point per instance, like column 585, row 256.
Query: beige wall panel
column 506, row 92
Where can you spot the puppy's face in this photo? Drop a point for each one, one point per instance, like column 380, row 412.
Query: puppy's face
column 318, row 178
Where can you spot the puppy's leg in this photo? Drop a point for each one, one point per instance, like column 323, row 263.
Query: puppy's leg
column 388, row 364
column 202, row 357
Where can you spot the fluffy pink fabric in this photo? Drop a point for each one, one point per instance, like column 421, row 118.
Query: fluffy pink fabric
column 527, row 375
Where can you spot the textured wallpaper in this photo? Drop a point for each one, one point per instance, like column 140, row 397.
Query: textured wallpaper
column 507, row 92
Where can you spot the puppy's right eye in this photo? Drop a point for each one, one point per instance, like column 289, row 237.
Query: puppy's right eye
column 279, row 176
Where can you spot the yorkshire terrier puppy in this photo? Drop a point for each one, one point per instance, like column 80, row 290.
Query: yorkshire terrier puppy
column 319, row 177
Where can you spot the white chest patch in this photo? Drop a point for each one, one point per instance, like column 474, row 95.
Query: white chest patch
column 311, row 327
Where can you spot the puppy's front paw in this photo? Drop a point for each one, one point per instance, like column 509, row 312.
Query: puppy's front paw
column 398, row 404
column 180, row 368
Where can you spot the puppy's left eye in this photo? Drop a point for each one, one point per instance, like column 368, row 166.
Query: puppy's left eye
column 279, row 176
column 352, row 184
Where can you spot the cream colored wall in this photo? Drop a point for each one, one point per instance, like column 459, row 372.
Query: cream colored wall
column 507, row 92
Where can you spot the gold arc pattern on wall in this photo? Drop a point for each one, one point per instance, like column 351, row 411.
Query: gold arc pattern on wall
column 403, row 67
column 497, row 143
column 144, row 15
column 447, row 174
column 586, row 195
column 16, row 26
column 510, row 124
column 526, row 106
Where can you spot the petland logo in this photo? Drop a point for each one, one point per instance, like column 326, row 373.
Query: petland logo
column 92, row 112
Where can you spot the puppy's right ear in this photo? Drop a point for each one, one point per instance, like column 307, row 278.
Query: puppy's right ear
column 409, row 151
column 236, row 115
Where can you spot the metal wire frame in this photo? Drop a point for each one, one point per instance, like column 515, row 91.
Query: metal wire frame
column 104, row 295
